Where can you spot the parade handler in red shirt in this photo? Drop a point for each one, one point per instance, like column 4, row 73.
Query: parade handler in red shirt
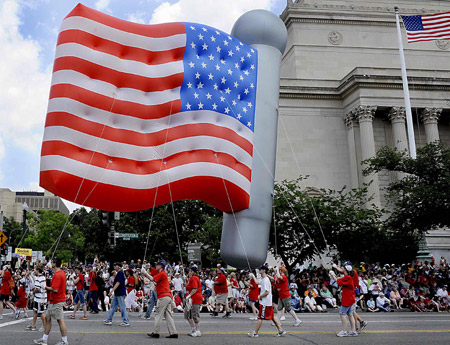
column 57, row 298
column 284, row 295
column 194, row 300
column 163, row 306
column 221, row 291
column 347, row 302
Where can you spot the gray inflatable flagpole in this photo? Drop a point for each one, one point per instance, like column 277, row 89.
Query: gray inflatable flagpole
column 245, row 239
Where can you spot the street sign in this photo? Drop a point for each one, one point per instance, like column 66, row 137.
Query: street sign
column 9, row 256
column 195, row 252
column 3, row 238
column 24, row 251
column 126, row 235
column 34, row 256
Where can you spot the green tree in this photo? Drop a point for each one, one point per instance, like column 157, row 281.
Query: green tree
column 13, row 230
column 421, row 198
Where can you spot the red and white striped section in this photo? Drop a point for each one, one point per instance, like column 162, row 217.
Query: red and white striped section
column 436, row 27
column 114, row 126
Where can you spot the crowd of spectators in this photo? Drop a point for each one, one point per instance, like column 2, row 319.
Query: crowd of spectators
column 418, row 287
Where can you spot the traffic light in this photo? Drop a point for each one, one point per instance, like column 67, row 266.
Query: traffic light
column 106, row 218
column 4, row 249
column 111, row 239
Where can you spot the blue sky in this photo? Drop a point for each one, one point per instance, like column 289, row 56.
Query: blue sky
column 28, row 33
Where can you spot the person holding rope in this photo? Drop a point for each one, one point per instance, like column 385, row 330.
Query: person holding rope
column 57, row 299
column 221, row 290
column 252, row 284
column 119, row 291
column 164, row 304
column 79, row 298
column 194, row 300
column 284, row 295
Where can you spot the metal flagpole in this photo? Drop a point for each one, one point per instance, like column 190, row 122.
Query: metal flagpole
column 409, row 121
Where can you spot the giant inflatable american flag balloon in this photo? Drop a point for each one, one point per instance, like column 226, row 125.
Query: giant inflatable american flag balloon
column 138, row 112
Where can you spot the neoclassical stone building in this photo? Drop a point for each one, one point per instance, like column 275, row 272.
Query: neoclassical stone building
column 341, row 94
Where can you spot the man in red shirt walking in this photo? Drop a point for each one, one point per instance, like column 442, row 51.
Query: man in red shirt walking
column 57, row 299
column 194, row 300
column 5, row 290
column 284, row 295
column 221, row 290
column 164, row 304
column 93, row 290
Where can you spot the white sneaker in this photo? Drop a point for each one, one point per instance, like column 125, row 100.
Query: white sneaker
column 254, row 318
column 63, row 343
column 342, row 334
column 283, row 318
column 106, row 322
column 40, row 341
column 197, row 334
column 123, row 324
column 280, row 334
column 297, row 322
column 42, row 329
column 352, row 334
column 252, row 334
column 1, row 317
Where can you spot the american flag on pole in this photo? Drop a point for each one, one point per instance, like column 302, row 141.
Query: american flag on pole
column 134, row 109
column 427, row 27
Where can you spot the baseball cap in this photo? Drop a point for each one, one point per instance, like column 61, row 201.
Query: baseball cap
column 193, row 268
column 348, row 267
column 161, row 262
column 90, row 265
column 264, row 267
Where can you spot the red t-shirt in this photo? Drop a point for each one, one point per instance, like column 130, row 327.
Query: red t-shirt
column 254, row 291
column 80, row 285
column 22, row 298
column 162, row 284
column 234, row 283
column 194, row 283
column 58, row 283
column 348, row 291
column 92, row 285
column 283, row 287
column 222, row 286
column 355, row 279
column 130, row 284
column 4, row 290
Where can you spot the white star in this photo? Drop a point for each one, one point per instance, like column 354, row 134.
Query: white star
column 200, row 85
column 214, row 106
column 234, row 102
column 210, row 76
column 200, row 105
column 236, row 65
column 252, row 66
column 227, row 110
column 230, row 72
column 238, row 48
column 244, row 110
column 249, row 124
column 200, row 36
column 252, row 86
column 189, row 85
column 250, row 104
column 204, row 65
column 225, row 42
column 241, row 44
column 193, row 45
column 217, row 32
column 223, row 80
column 227, row 90
column 249, row 55
column 246, row 91
column 241, row 77
column 242, row 59
column 230, row 53
column 239, row 116
column 197, row 75
column 188, row 106
column 236, row 84
column 222, row 99
column 218, row 67
column 216, row 86
column 246, row 72
column 213, row 39
column 211, row 57
column 219, row 49
column 252, row 50
column 239, row 97
column 191, row 64
column 230, row 38
column 222, row 61
column 204, row 30
column 195, row 95
column 208, row 96
column 192, row 28
column 205, row 46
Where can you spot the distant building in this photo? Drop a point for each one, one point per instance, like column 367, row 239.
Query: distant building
column 11, row 202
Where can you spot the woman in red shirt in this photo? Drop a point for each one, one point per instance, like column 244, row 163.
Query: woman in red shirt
column 194, row 299
column 5, row 291
column 253, row 294
column 22, row 300
column 347, row 302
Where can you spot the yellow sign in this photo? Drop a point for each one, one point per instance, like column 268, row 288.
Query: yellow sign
column 3, row 238
column 24, row 251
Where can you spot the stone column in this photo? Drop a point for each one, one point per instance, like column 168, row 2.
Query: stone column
column 351, row 124
column 365, row 115
column 397, row 116
column 430, row 117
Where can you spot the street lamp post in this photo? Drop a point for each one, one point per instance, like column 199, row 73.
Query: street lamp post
column 24, row 222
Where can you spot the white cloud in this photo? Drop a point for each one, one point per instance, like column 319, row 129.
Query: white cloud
column 137, row 17
column 219, row 14
column 24, row 87
column 102, row 5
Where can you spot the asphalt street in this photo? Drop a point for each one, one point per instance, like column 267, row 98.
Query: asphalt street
column 393, row 328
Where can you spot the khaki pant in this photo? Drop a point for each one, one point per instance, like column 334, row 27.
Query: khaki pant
column 164, row 309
